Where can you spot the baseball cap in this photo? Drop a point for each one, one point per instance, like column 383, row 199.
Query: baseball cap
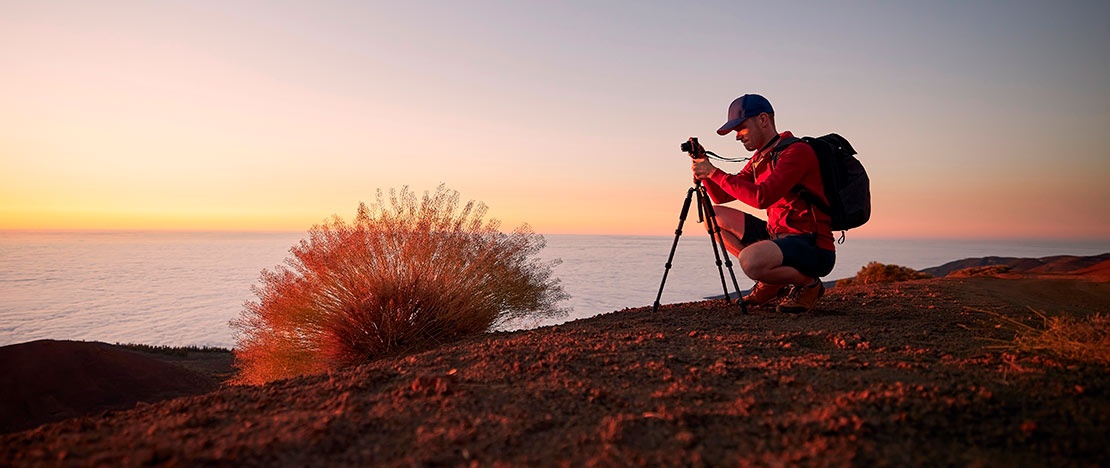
column 748, row 105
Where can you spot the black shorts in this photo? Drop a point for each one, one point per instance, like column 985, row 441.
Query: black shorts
column 799, row 251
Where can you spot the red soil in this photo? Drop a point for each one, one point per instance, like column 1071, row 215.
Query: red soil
column 898, row 374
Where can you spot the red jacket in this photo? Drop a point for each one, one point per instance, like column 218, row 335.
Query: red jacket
column 767, row 185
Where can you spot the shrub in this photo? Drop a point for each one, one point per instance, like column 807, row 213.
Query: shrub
column 876, row 272
column 405, row 275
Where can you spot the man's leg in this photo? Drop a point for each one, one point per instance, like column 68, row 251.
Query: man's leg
column 762, row 261
column 742, row 230
column 731, row 222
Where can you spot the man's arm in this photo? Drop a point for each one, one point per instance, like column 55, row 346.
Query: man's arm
column 702, row 167
column 792, row 165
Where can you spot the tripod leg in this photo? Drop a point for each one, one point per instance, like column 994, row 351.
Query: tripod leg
column 718, row 238
column 704, row 204
column 674, row 245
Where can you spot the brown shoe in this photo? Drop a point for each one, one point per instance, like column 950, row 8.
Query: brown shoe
column 763, row 293
column 802, row 298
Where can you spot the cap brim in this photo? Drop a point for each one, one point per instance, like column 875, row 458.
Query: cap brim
column 729, row 126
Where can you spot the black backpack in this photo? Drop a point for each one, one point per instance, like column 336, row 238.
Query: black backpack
column 846, row 184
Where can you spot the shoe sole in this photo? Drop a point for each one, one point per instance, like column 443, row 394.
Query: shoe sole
column 779, row 297
column 761, row 304
column 792, row 310
column 800, row 310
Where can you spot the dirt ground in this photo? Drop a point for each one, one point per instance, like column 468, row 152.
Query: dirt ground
column 891, row 375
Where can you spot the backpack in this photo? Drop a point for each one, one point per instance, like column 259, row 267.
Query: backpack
column 847, row 187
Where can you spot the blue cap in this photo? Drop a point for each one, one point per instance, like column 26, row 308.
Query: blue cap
column 748, row 105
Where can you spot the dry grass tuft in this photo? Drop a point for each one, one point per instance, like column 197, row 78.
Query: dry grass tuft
column 988, row 270
column 407, row 274
column 1080, row 338
column 876, row 272
column 171, row 350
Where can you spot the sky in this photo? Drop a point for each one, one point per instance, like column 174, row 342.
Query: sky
column 979, row 119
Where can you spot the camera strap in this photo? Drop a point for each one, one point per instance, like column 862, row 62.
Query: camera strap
column 813, row 202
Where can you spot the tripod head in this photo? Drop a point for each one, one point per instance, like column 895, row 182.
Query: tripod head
column 693, row 148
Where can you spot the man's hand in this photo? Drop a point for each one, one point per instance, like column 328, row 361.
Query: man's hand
column 702, row 168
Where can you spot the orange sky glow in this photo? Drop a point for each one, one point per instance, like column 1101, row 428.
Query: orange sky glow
column 980, row 122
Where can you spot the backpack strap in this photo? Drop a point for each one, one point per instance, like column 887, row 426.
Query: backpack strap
column 781, row 146
column 810, row 198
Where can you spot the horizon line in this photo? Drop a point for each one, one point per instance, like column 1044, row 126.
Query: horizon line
column 583, row 234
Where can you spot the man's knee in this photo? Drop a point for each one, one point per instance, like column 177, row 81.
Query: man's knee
column 759, row 258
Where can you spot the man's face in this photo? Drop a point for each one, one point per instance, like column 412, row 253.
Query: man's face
column 746, row 131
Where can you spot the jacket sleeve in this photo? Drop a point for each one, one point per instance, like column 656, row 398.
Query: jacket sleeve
column 792, row 165
column 717, row 193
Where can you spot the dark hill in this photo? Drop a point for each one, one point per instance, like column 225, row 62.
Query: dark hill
column 47, row 380
column 1060, row 264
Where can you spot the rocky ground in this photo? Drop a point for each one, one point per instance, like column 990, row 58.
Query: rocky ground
column 903, row 374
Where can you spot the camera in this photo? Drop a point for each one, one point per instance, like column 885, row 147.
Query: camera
column 693, row 148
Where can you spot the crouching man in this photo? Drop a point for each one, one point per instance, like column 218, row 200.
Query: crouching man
column 789, row 253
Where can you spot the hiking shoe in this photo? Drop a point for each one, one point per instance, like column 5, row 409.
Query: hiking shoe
column 763, row 293
column 802, row 298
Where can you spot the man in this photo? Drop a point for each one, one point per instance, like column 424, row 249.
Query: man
column 789, row 252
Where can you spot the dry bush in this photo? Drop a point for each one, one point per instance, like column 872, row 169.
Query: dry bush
column 876, row 272
column 406, row 274
column 1083, row 339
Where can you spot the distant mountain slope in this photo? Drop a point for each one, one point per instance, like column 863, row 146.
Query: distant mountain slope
column 1060, row 264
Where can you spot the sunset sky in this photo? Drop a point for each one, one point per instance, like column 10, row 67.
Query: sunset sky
column 974, row 119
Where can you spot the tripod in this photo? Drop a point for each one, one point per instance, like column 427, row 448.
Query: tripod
column 705, row 213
